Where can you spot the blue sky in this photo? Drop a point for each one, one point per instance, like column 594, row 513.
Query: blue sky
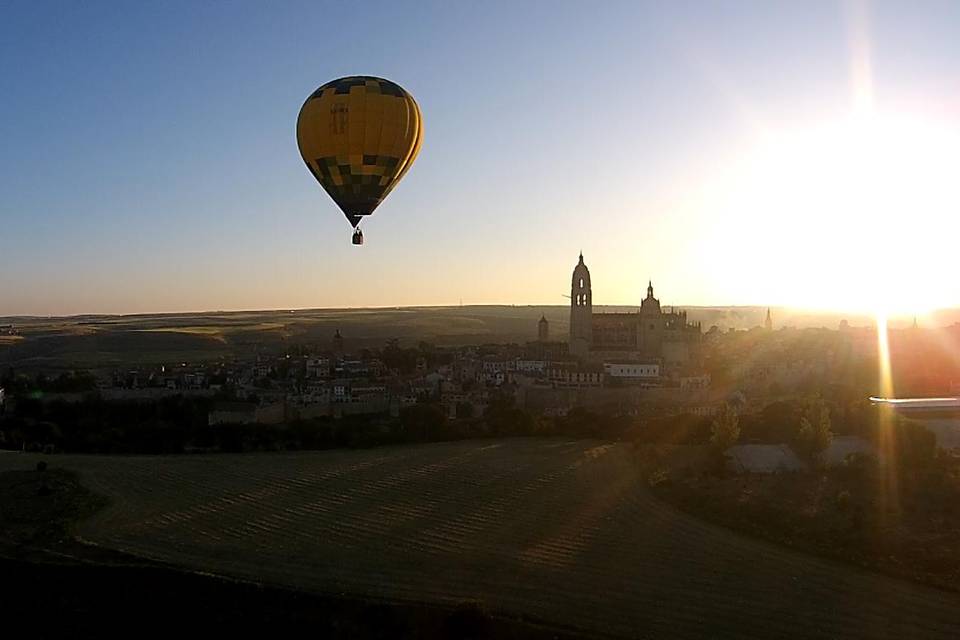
column 149, row 162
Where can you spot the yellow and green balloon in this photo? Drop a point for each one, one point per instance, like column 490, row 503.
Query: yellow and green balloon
column 358, row 136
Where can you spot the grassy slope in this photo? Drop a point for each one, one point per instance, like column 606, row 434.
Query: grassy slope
column 38, row 509
column 75, row 590
column 555, row 530
column 839, row 514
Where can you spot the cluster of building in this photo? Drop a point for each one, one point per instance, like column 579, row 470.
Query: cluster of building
column 609, row 359
column 649, row 357
column 648, row 336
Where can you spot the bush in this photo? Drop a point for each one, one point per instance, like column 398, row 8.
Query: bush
column 423, row 422
column 725, row 430
column 504, row 418
column 914, row 445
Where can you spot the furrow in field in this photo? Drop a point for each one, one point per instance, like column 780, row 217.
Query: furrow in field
column 561, row 530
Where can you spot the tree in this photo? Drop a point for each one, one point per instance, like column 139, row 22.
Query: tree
column 774, row 424
column 814, row 434
column 396, row 357
column 503, row 417
column 916, row 446
column 725, row 430
column 424, row 422
column 824, row 432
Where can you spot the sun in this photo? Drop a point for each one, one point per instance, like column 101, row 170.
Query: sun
column 859, row 212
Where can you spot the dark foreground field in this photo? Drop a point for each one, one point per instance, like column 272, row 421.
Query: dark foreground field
column 70, row 589
column 67, row 600
column 554, row 530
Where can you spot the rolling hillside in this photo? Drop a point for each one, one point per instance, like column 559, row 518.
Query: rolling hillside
column 109, row 341
column 563, row 531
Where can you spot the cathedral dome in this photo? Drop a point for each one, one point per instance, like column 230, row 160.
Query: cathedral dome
column 650, row 304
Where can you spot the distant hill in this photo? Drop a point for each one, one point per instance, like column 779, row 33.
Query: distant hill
column 106, row 341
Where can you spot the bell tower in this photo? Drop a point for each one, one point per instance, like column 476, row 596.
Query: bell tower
column 581, row 311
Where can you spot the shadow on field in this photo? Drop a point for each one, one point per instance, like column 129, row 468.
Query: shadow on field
column 57, row 587
column 95, row 601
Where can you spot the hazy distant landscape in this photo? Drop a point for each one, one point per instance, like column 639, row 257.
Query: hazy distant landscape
column 104, row 340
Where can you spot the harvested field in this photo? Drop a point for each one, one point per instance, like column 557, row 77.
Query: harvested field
column 562, row 531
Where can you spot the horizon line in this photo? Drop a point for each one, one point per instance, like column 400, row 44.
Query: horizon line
column 797, row 309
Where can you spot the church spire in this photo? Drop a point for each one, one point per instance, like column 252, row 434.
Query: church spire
column 650, row 288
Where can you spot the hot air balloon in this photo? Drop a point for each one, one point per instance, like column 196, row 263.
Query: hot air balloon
column 358, row 136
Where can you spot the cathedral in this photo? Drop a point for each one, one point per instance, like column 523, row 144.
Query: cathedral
column 648, row 335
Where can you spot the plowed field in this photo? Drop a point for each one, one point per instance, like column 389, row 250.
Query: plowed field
column 563, row 531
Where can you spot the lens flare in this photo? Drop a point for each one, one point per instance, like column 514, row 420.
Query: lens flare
column 886, row 425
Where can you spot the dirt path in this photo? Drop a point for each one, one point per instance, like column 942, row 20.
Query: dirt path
column 563, row 531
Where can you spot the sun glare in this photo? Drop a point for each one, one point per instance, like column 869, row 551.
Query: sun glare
column 858, row 213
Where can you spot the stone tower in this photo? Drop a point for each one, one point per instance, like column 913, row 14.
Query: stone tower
column 768, row 323
column 581, row 311
column 651, row 328
column 543, row 329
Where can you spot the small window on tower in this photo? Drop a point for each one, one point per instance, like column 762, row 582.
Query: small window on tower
column 581, row 283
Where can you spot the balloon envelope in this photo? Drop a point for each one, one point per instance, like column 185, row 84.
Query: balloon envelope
column 358, row 136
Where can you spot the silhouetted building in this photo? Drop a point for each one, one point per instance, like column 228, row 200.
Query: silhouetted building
column 647, row 335
column 581, row 310
column 337, row 343
column 543, row 329
column 768, row 323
